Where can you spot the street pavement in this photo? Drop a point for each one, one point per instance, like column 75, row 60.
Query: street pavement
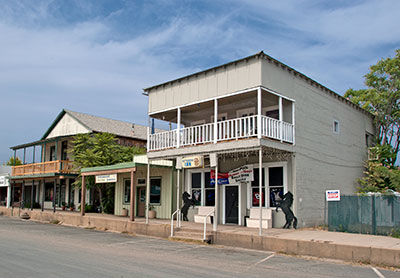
column 31, row 249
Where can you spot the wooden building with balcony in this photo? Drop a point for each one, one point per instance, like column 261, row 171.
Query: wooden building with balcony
column 46, row 176
column 257, row 113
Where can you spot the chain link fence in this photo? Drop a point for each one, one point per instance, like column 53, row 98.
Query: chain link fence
column 376, row 214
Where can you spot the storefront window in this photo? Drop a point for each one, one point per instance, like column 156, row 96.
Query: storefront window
column 255, row 189
column 196, row 188
column 127, row 191
column 48, row 192
column 155, row 191
column 275, row 181
column 209, row 190
column 201, row 186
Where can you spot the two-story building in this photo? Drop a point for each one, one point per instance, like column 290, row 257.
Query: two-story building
column 45, row 179
column 267, row 126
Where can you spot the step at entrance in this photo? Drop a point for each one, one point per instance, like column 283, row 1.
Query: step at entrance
column 191, row 236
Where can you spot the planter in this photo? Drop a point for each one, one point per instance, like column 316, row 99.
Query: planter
column 152, row 214
column 124, row 212
column 63, row 207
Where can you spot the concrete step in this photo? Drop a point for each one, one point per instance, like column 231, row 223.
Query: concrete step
column 190, row 236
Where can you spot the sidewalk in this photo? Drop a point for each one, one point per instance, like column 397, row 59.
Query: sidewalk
column 370, row 249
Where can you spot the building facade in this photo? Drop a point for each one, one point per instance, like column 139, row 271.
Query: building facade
column 45, row 179
column 258, row 113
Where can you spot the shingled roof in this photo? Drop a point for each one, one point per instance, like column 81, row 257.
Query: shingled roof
column 100, row 124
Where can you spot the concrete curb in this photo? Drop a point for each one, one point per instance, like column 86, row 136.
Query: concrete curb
column 322, row 249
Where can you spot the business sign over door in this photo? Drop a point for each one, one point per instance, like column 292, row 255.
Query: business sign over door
column 106, row 178
column 192, row 162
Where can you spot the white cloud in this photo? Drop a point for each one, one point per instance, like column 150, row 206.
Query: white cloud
column 48, row 64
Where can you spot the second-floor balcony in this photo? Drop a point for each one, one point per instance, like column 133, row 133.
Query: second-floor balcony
column 49, row 167
column 232, row 129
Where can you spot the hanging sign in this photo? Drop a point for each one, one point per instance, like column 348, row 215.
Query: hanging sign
column 106, row 178
column 223, row 178
column 333, row 195
column 242, row 174
column 3, row 181
column 192, row 162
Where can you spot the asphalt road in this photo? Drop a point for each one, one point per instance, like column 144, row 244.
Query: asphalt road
column 29, row 249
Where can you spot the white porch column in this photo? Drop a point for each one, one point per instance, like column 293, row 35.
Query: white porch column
column 148, row 192
column 259, row 105
column 178, row 128
column 293, row 123
column 215, row 120
column 8, row 194
column 215, row 223
column 178, row 205
column 281, row 118
column 261, row 197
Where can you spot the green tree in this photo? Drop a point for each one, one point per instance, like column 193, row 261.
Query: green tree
column 380, row 175
column 100, row 149
column 382, row 99
column 11, row 161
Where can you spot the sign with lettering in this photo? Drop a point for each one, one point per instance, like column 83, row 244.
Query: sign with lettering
column 192, row 162
column 333, row 195
column 223, row 178
column 242, row 174
column 106, row 178
column 3, row 181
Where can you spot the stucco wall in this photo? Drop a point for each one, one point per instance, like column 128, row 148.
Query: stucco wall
column 324, row 159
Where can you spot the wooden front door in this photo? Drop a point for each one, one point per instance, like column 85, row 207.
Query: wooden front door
column 141, row 201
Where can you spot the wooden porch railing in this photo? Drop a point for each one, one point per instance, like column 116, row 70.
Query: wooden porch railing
column 237, row 128
column 57, row 166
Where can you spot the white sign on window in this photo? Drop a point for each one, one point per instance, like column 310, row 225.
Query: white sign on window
column 3, row 181
column 241, row 174
column 333, row 195
column 106, row 178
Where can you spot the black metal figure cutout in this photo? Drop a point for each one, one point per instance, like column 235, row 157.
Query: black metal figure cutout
column 285, row 205
column 187, row 203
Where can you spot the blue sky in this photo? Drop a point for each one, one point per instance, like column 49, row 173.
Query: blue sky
column 96, row 56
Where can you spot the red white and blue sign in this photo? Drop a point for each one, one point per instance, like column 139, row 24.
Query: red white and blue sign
column 223, row 178
column 333, row 195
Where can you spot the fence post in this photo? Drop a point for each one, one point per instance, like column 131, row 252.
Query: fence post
column 373, row 215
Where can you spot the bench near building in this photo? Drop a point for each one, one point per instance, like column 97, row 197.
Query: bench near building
column 258, row 128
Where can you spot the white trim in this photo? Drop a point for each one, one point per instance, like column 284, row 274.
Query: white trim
column 202, row 179
column 247, row 111
column 267, row 165
column 221, row 97
column 224, row 204
column 199, row 122
column 220, row 115
column 270, row 108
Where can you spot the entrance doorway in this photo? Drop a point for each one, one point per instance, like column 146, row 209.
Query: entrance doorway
column 231, row 208
column 141, row 201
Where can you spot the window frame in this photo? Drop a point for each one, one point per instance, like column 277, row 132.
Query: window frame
column 267, row 187
column 203, row 187
column 153, row 178
column 336, row 123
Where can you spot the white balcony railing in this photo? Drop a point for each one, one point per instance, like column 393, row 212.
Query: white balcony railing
column 244, row 127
